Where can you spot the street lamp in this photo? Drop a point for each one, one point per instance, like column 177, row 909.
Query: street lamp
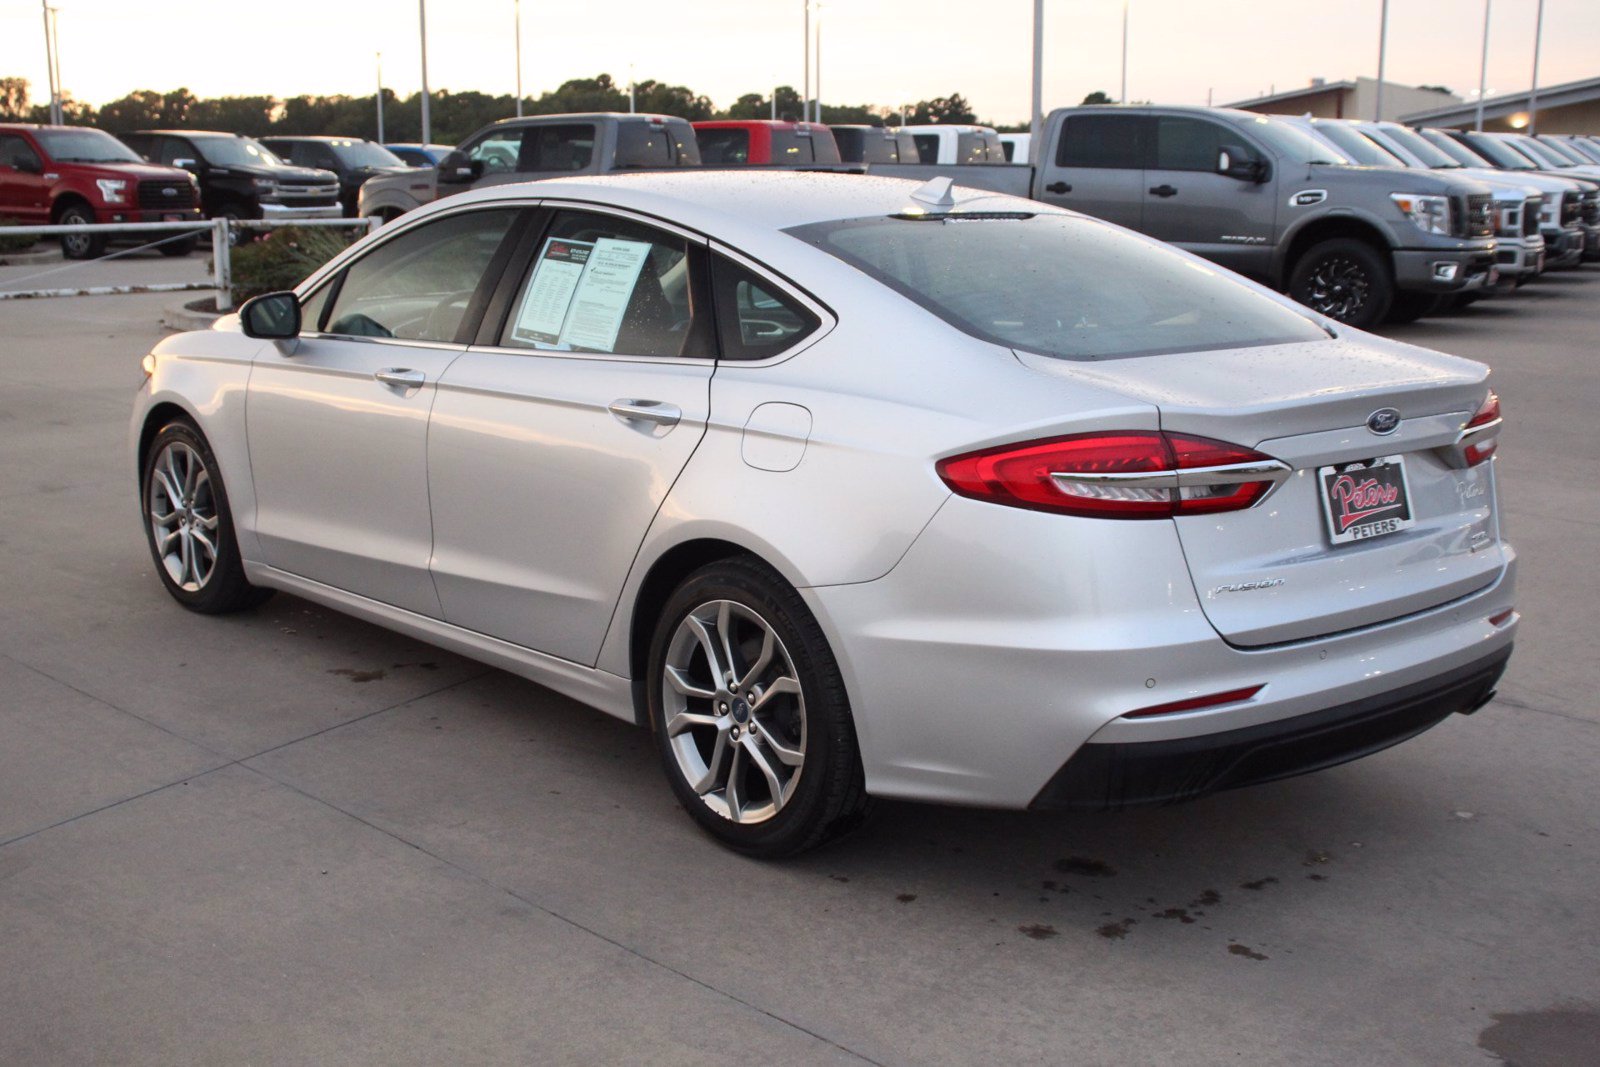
column 1124, row 51
column 805, row 95
column 818, row 116
column 517, row 8
column 422, row 24
column 52, row 58
column 380, row 98
column 1383, row 47
column 1533, row 94
column 1036, row 119
column 1483, row 66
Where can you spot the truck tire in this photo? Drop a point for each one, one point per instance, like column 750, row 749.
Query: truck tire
column 80, row 245
column 180, row 247
column 1345, row 279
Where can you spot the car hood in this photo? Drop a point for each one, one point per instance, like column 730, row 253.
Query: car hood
column 286, row 175
column 129, row 171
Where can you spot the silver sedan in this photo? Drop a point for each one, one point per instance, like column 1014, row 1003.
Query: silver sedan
column 850, row 487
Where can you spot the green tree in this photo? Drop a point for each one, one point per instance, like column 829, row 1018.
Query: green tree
column 952, row 109
column 655, row 98
column 1098, row 97
column 13, row 98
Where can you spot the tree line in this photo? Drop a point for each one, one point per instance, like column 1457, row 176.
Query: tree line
column 453, row 115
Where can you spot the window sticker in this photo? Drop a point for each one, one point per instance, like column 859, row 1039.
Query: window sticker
column 579, row 293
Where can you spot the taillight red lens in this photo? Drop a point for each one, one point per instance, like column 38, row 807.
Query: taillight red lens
column 1232, row 696
column 1482, row 446
column 1132, row 474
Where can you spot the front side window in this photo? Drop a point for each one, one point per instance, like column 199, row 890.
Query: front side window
column 17, row 153
column 498, row 151
column 171, row 149
column 723, row 145
column 1060, row 285
column 599, row 284
column 418, row 285
column 1105, row 141
column 1189, row 144
column 755, row 319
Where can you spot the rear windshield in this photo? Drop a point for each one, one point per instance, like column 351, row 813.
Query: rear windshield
column 656, row 144
column 982, row 146
column 85, row 146
column 792, row 146
column 724, row 145
column 1060, row 285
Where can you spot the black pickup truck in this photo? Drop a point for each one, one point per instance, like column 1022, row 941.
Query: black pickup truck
column 239, row 177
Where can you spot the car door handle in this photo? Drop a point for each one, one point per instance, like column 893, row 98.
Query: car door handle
column 646, row 411
column 401, row 377
column 1163, row 190
column 1059, row 188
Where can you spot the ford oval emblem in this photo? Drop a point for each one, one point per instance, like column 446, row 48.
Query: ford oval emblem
column 1384, row 421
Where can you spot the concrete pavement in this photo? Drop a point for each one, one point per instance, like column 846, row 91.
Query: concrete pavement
column 292, row 837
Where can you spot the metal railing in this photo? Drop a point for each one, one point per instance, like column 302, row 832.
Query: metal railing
column 222, row 235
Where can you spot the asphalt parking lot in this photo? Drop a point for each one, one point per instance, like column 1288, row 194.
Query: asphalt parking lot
column 291, row 837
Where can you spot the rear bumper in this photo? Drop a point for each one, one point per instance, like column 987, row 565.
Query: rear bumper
column 1445, row 271
column 1106, row 777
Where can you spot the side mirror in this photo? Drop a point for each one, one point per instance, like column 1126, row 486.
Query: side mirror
column 186, row 164
column 1240, row 165
column 271, row 317
column 457, row 168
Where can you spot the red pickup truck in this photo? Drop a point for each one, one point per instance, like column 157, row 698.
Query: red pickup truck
column 69, row 175
column 757, row 141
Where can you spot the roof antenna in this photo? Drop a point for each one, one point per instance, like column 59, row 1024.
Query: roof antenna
column 935, row 192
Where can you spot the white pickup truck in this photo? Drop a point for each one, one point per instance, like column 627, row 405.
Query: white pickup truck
column 956, row 144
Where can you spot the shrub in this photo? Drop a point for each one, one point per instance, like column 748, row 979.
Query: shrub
column 14, row 244
column 284, row 259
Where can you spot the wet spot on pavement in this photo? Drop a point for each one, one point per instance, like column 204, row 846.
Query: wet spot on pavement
column 905, row 898
column 357, row 676
column 1246, row 951
column 1543, row 1038
column 1115, row 931
column 1039, row 931
column 1089, row 868
column 1259, row 883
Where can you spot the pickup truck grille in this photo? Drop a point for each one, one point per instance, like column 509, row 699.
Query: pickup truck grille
column 1530, row 216
column 1590, row 212
column 158, row 195
column 308, row 195
column 1478, row 219
column 1571, row 209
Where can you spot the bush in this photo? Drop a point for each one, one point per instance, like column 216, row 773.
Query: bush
column 14, row 244
column 283, row 259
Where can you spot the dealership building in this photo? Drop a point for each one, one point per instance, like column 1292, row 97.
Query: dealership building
column 1355, row 99
column 1570, row 108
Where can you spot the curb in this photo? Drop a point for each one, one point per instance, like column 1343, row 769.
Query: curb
column 182, row 319
column 22, row 259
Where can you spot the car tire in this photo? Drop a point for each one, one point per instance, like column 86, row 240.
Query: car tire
column 189, row 526
column 1345, row 279
column 1411, row 306
column 80, row 245
column 182, row 247
column 750, row 714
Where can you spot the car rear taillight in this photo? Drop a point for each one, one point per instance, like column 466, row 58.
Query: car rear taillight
column 1478, row 438
column 1232, row 696
column 1131, row 474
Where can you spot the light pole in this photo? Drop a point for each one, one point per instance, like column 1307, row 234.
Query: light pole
column 631, row 84
column 805, row 95
column 1036, row 122
column 1533, row 95
column 52, row 58
column 380, row 98
column 422, row 23
column 818, row 116
column 1483, row 65
column 1383, row 46
column 517, row 31
column 774, row 103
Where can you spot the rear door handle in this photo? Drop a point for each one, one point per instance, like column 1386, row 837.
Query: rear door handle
column 401, row 377
column 662, row 414
column 1059, row 188
column 1163, row 190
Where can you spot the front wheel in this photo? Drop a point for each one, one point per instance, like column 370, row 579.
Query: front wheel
column 750, row 714
column 189, row 526
column 1346, row 280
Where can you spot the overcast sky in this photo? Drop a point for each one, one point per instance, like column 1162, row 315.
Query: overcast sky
column 873, row 51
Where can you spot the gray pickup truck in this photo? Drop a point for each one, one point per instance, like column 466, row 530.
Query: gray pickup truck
column 543, row 146
column 1256, row 195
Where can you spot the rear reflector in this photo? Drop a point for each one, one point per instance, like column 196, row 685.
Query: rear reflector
column 1502, row 618
column 1123, row 474
column 1232, row 696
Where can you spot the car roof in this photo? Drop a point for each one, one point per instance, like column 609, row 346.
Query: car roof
column 330, row 137
column 191, row 133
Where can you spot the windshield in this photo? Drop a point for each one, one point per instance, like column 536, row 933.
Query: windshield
column 1540, row 153
column 1293, row 144
column 1419, row 147
column 1500, row 154
column 1357, row 146
column 364, row 154
column 1060, row 285
column 236, row 151
column 85, row 146
column 1454, row 149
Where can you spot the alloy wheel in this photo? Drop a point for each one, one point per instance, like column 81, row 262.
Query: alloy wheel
column 182, row 510
column 1338, row 287
column 735, row 712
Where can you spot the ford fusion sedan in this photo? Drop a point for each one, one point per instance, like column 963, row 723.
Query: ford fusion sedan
column 850, row 487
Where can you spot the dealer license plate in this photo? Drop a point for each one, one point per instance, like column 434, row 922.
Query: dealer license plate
column 1365, row 500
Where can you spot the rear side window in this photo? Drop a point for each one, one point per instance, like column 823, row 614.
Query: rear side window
column 927, row 147
column 607, row 285
column 755, row 319
column 417, row 286
column 723, row 146
column 1188, row 144
column 1106, row 141
column 852, row 146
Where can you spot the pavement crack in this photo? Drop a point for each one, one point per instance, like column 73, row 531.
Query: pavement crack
column 113, row 804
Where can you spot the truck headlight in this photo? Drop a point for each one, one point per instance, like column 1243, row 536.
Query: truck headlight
column 1431, row 214
column 114, row 190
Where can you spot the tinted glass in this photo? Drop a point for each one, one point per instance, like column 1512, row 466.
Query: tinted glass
column 356, row 154
column 1418, row 146
column 171, row 149
column 723, row 146
column 1454, row 149
column 1190, row 144
column 979, row 148
column 1115, row 141
column 792, row 146
column 755, row 319
column 235, row 151
column 1010, row 149
column 927, row 147
column 413, row 157
column 1497, row 153
column 558, row 148
column 85, row 146
column 1290, row 142
column 1062, row 286
column 1357, row 146
column 14, row 151
column 852, row 144
column 417, row 286
column 602, row 284
column 498, row 150
column 656, row 144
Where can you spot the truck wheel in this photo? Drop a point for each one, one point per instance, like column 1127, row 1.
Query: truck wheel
column 180, row 248
column 1411, row 306
column 80, row 245
column 1344, row 279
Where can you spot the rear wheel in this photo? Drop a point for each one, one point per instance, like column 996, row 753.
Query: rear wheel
column 80, row 245
column 750, row 714
column 189, row 526
column 1344, row 279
